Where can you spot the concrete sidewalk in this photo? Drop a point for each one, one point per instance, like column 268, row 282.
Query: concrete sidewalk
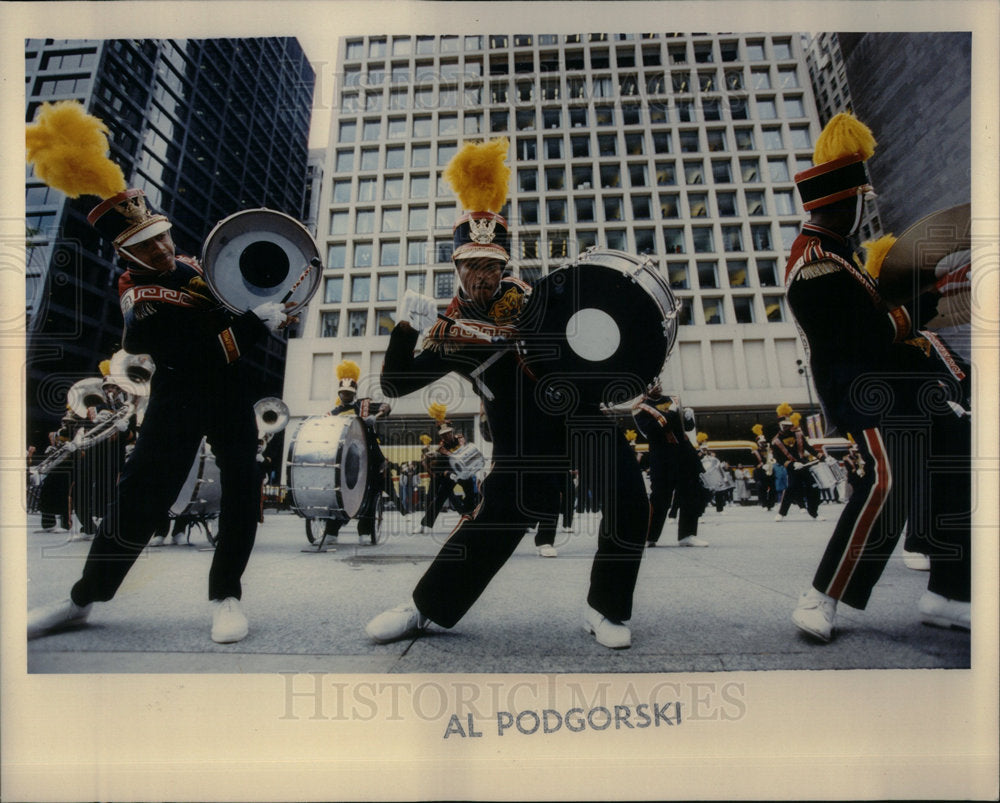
column 723, row 608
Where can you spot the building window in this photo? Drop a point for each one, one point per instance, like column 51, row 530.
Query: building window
column 708, row 275
column 607, row 144
column 641, row 207
column 388, row 287
column 329, row 323
column 750, row 171
column 788, row 77
column 767, row 272
column 527, row 149
column 684, row 315
column 528, row 211
column 772, row 139
column 800, row 139
column 333, row 290
column 694, row 173
column 689, row 141
column 360, row 288
column 726, row 202
column 341, row 191
column 788, row 231
column 556, row 210
column 755, row 203
column 736, row 269
column 338, row 222
column 774, row 307
column 613, row 209
column 584, row 210
column 645, row 241
column 416, row 254
column 610, row 176
column 616, row 240
column 605, row 115
column 778, row 169
column 761, row 235
column 702, row 239
column 743, row 309
column 666, row 174
column 389, row 254
column 362, row 255
column 674, row 240
column 444, row 284
column 555, row 178
column 364, row 222
column 767, row 109
column 580, row 146
column 677, row 275
column 732, row 238
column 784, row 202
column 553, row 148
column 347, row 132
column 344, row 162
column 713, row 311
column 527, row 180
column 357, row 323
column 578, row 117
column 697, row 204
column 336, row 255
column 760, row 78
column 669, row 206
column 638, row 175
column 366, row 189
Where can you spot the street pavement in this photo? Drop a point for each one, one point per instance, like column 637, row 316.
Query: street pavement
column 722, row 608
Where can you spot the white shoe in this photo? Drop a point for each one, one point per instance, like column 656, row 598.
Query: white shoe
column 567, row 529
column 229, row 623
column 547, row 551
column 943, row 612
column 613, row 635
column 396, row 623
column 916, row 561
column 157, row 540
column 56, row 616
column 177, row 539
column 417, row 530
column 692, row 540
column 779, row 517
column 815, row 613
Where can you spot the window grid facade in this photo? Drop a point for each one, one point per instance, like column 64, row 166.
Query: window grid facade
column 655, row 144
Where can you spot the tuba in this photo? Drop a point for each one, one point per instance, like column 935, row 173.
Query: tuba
column 85, row 394
column 259, row 255
column 272, row 417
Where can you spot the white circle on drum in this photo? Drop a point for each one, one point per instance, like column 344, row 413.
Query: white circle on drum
column 593, row 334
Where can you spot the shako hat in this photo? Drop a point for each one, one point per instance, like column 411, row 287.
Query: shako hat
column 838, row 171
column 479, row 178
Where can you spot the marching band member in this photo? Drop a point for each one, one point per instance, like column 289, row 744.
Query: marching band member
column 883, row 383
column 475, row 338
column 674, row 467
column 348, row 374
column 763, row 472
column 200, row 386
column 793, row 449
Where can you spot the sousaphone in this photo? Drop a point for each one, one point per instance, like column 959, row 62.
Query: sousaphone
column 260, row 255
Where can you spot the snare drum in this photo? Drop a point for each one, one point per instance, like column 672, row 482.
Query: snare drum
column 466, row 461
column 328, row 467
column 822, row 476
column 602, row 326
column 201, row 495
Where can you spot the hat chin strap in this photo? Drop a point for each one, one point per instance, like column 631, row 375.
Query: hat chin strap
column 859, row 208
column 133, row 258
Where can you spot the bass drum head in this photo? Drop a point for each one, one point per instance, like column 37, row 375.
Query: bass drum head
column 328, row 467
column 598, row 333
column 257, row 256
column 201, row 494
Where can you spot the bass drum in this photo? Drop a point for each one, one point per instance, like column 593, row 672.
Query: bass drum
column 598, row 330
column 201, row 494
column 328, row 467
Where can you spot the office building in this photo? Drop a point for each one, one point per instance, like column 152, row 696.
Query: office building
column 678, row 146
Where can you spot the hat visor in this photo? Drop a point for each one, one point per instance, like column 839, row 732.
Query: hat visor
column 476, row 251
column 147, row 233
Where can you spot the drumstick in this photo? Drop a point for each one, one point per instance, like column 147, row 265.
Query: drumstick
column 313, row 263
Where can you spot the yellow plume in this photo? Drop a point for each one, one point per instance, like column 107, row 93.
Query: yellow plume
column 69, row 149
column 702, row 437
column 425, row 439
column 437, row 411
column 478, row 175
column 784, row 409
column 349, row 369
column 875, row 251
column 795, row 418
column 843, row 136
column 757, row 429
column 104, row 366
column 630, row 435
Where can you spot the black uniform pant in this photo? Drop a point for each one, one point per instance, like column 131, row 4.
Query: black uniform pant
column 168, row 442
column 557, row 498
column 439, row 491
column 514, row 497
column 800, row 487
column 920, row 474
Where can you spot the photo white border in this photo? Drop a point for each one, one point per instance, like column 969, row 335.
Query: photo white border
column 798, row 735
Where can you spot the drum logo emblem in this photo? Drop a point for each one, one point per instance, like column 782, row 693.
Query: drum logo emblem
column 482, row 231
column 507, row 306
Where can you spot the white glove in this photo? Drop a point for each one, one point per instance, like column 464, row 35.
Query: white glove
column 71, row 446
column 103, row 415
column 796, row 465
column 122, row 425
column 418, row 310
column 272, row 314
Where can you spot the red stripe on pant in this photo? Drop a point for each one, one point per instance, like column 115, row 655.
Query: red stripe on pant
column 869, row 514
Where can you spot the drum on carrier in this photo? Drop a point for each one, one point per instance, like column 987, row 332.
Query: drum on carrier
column 466, row 462
column 714, row 477
column 328, row 467
column 200, row 497
column 822, row 475
column 600, row 329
